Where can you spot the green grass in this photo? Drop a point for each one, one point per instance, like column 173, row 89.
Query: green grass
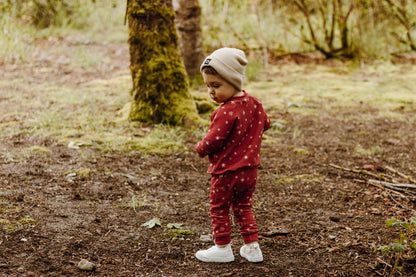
column 305, row 178
column 93, row 114
column 101, row 21
column 310, row 90
column 48, row 100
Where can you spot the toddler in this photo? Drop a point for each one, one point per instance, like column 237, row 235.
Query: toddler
column 232, row 142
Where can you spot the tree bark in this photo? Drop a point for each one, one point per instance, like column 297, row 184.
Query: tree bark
column 188, row 24
column 160, row 91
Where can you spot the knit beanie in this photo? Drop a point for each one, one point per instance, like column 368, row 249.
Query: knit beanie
column 230, row 64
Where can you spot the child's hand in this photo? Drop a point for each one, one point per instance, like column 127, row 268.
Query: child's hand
column 198, row 149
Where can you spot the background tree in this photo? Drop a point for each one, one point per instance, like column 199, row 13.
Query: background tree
column 333, row 25
column 188, row 24
column 405, row 12
column 160, row 88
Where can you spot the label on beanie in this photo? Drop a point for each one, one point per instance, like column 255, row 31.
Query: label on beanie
column 207, row 61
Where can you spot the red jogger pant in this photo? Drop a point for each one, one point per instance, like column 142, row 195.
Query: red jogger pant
column 233, row 189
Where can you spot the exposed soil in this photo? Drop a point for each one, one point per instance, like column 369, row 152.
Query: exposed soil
column 328, row 222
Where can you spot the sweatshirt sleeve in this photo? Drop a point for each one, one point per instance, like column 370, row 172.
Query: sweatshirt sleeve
column 218, row 131
column 267, row 123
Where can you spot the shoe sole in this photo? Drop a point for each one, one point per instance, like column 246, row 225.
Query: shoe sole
column 256, row 260
column 259, row 260
column 208, row 260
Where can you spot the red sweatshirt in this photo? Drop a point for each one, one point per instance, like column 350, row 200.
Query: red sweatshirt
column 233, row 139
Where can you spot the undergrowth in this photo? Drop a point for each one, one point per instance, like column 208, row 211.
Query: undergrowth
column 401, row 250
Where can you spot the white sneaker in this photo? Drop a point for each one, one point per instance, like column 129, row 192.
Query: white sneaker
column 252, row 252
column 216, row 254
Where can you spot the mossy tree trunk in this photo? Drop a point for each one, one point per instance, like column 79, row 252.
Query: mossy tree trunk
column 188, row 24
column 160, row 91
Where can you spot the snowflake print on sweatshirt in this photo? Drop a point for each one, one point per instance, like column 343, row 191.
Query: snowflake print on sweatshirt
column 234, row 137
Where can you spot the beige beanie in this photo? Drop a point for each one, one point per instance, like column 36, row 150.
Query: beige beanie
column 230, row 64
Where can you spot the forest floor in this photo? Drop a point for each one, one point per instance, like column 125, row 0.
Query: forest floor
column 61, row 203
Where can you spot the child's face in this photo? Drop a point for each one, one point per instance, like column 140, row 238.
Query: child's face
column 219, row 89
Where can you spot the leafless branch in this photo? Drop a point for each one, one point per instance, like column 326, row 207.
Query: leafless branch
column 409, row 178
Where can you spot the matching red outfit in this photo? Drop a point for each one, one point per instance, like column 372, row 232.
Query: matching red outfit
column 233, row 143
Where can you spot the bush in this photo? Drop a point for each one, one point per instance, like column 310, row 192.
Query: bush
column 45, row 13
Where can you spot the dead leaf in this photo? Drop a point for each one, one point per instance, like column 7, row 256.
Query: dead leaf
column 275, row 232
column 373, row 167
column 375, row 211
column 393, row 141
column 152, row 223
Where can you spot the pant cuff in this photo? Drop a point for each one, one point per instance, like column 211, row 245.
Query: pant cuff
column 222, row 240
column 251, row 238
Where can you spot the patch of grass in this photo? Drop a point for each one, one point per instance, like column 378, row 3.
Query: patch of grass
column 6, row 208
column 301, row 151
column 15, row 41
column 8, row 226
column 9, row 157
column 90, row 20
column 303, row 178
column 297, row 132
column 87, row 58
column 384, row 88
column 134, row 203
column 21, row 155
column 36, row 150
column 270, row 138
column 27, row 221
column 374, row 150
column 160, row 140
column 85, row 172
column 95, row 112
column 305, row 111
column 72, row 112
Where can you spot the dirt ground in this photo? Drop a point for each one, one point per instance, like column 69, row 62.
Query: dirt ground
column 314, row 219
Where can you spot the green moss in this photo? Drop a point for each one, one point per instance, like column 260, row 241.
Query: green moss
column 301, row 151
column 27, row 221
column 178, row 233
column 374, row 150
column 85, row 172
column 205, row 107
column 160, row 91
column 8, row 225
column 37, row 149
column 4, row 208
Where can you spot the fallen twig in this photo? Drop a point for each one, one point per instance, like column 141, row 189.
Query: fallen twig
column 381, row 186
column 380, row 176
column 409, row 178
column 407, row 186
column 398, row 188
column 383, row 262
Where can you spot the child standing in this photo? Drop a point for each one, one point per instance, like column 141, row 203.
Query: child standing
column 232, row 142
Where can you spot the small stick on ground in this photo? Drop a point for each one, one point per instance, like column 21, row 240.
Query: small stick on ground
column 363, row 172
column 381, row 186
column 392, row 185
column 409, row 178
